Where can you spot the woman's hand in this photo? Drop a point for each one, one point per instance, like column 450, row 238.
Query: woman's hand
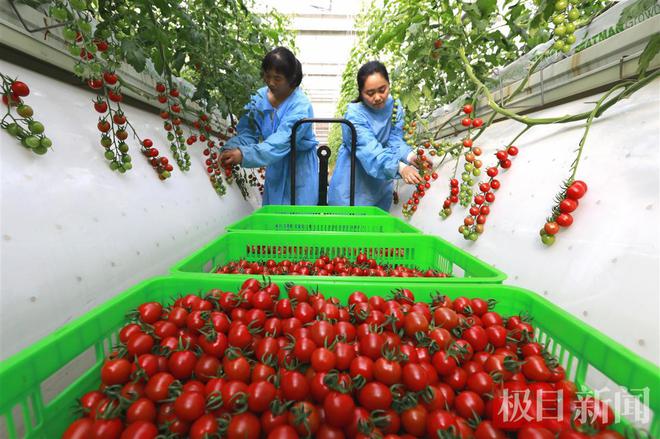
column 231, row 157
column 410, row 175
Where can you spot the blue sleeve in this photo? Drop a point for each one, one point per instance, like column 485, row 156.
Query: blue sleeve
column 377, row 161
column 247, row 132
column 247, row 128
column 395, row 140
column 278, row 144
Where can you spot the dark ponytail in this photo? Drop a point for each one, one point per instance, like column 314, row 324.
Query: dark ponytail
column 283, row 61
column 367, row 70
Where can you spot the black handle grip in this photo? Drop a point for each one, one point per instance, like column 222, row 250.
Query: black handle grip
column 293, row 152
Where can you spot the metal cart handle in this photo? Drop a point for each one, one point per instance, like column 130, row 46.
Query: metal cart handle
column 293, row 153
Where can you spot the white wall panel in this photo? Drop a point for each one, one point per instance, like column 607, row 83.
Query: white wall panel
column 74, row 233
column 604, row 268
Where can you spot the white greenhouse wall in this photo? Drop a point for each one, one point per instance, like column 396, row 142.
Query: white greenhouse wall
column 604, row 269
column 74, row 233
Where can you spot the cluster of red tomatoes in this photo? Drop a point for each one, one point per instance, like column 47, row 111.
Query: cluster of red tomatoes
column 252, row 364
column 562, row 212
column 324, row 266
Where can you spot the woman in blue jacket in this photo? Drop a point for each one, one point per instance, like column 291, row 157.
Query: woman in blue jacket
column 264, row 133
column 382, row 154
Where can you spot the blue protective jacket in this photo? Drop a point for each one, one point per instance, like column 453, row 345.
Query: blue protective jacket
column 380, row 148
column 264, row 138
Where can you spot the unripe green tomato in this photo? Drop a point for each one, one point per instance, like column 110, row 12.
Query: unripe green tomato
column 126, row 159
column 25, row 110
column 91, row 47
column 466, row 232
column 469, row 167
column 74, row 50
column 69, row 34
column 122, row 169
column 465, row 176
column 128, row 165
column 176, row 155
column 46, row 142
column 570, row 39
column 570, row 28
column 36, row 127
column 86, row 28
column 13, row 129
column 123, row 147
column 58, row 13
column 114, row 165
column 548, row 239
column 566, row 48
column 79, row 5
column 561, row 5
column 470, row 181
column 165, row 174
column 560, row 30
column 106, row 142
column 573, row 14
column 473, row 236
column 183, row 148
column 558, row 19
column 96, row 68
column 559, row 45
column 79, row 69
column 109, row 154
column 476, row 172
column 170, row 137
column 31, row 142
column 41, row 150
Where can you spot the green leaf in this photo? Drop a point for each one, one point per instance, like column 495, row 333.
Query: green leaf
column 157, row 60
column 650, row 52
column 177, row 62
column 134, row 54
column 487, row 7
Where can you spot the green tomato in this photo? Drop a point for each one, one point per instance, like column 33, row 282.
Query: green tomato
column 96, row 68
column 548, row 239
column 106, row 141
column 91, row 47
column 109, row 154
column 466, row 232
column 122, row 169
column 561, row 5
column 476, row 172
column 469, row 167
column 46, row 142
column 570, row 28
column 79, row 5
column 558, row 19
column 170, row 137
column 465, row 176
column 69, row 34
column 560, row 30
column 25, row 110
column 79, row 69
column 36, row 127
column 123, row 147
column 126, row 159
column 446, row 211
column 58, row 13
column 13, row 129
column 473, row 236
column 570, row 39
column 182, row 147
column 31, row 142
column 40, row 150
column 574, row 14
column 566, row 49
column 74, row 50
column 165, row 174
column 86, row 27
column 470, row 181
column 559, row 45
column 128, row 165
column 176, row 155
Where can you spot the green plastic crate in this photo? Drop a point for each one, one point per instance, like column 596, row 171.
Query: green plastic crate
column 583, row 351
column 322, row 223
column 321, row 210
column 413, row 250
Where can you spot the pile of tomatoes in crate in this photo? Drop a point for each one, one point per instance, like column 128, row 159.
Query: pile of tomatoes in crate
column 324, row 266
column 252, row 364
